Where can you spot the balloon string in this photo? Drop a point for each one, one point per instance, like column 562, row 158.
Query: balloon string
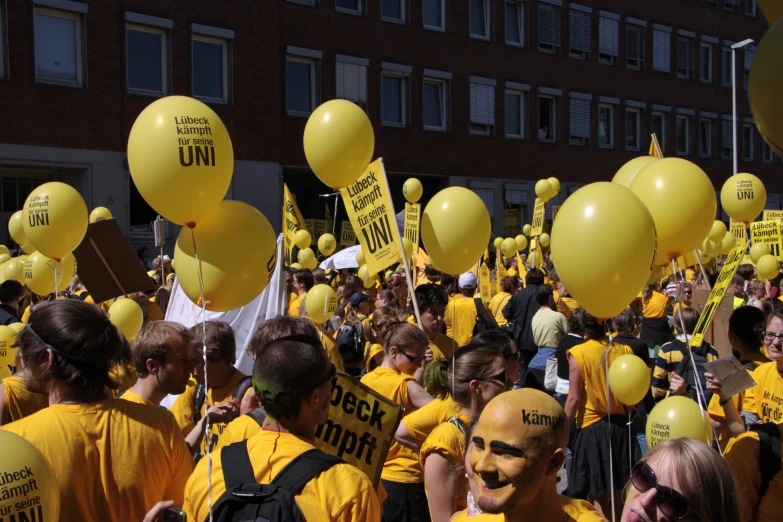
column 609, row 415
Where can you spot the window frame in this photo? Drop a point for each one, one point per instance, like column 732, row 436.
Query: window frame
column 403, row 99
column 711, row 68
column 314, row 63
column 579, row 141
column 662, row 137
column 611, row 133
column 708, row 153
column 359, row 11
column 225, row 43
column 752, row 3
column 522, row 126
column 605, row 58
column 767, row 154
column 521, row 21
column 400, row 21
column 552, row 118
column 640, row 65
column 730, row 6
column 364, row 105
column 444, row 105
column 686, row 119
column 489, row 129
column 749, row 128
column 668, row 40
column 746, row 70
column 442, row 27
column 547, row 47
column 79, row 37
column 689, row 73
column 726, row 153
column 487, row 21
column 165, row 60
column 725, row 66
column 579, row 54
column 638, row 113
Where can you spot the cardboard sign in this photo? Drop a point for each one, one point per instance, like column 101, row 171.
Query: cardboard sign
column 738, row 230
column 537, row 227
column 512, row 222
column 717, row 293
column 360, row 427
column 292, row 221
column 347, row 236
column 369, row 206
column 108, row 266
column 769, row 215
column 767, row 232
column 485, row 284
column 412, row 220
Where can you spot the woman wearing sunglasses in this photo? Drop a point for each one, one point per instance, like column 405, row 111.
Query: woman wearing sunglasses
column 681, row 479
column 684, row 296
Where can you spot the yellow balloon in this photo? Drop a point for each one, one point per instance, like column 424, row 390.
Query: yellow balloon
column 655, row 275
column 543, row 190
column 521, row 241
column 718, row 231
column 681, row 199
column 302, row 239
column 17, row 327
column 69, row 272
column 4, row 250
column 364, row 274
column 629, row 379
column 237, row 254
column 408, row 247
column 7, row 353
column 543, row 239
column 43, row 275
column 709, row 247
column 743, row 197
column 766, row 77
column 21, row 456
column 455, row 229
column 727, row 243
column 508, row 247
column 759, row 250
column 127, row 316
column 555, row 186
column 55, row 219
column 16, row 228
column 498, row 242
column 628, row 172
column 327, row 244
column 28, row 248
column 604, row 272
column 676, row 417
column 527, row 229
column 4, row 258
column 768, row 267
column 338, row 142
column 360, row 257
column 307, row 259
column 99, row 214
column 412, row 190
column 181, row 159
column 321, row 303
column 296, row 266
column 14, row 269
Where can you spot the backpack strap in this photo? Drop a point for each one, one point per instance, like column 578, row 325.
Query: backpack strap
column 480, row 312
column 460, row 424
column 244, row 384
column 198, row 401
column 770, row 453
column 121, row 394
column 237, row 469
column 501, row 305
column 303, row 468
column 258, row 415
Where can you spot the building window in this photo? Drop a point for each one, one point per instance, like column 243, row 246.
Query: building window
column 435, row 104
column 349, row 6
column 58, row 47
column 15, row 191
column 607, row 40
column 479, row 19
column 393, row 100
column 301, row 85
column 579, row 122
column 433, row 14
column 579, row 34
column 705, row 62
column 726, row 139
column 515, row 23
column 684, row 57
column 634, row 47
column 749, row 53
column 731, row 5
column 633, row 131
column 148, row 68
column 662, row 41
column 766, row 152
column 606, row 125
column 393, row 11
column 705, row 138
column 681, row 135
column 747, row 142
column 211, row 63
column 659, row 128
column 515, row 114
column 482, row 109
column 725, row 58
column 548, row 28
column 750, row 8
column 518, row 200
column 547, row 118
column 351, row 82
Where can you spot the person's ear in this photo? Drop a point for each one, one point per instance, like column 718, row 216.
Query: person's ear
column 153, row 366
column 474, row 387
column 555, row 461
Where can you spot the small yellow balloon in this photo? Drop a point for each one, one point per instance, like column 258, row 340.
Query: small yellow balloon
column 498, row 242
column 321, row 303
column 676, row 417
column 16, row 228
column 727, row 243
column 743, row 197
column 14, row 269
column 709, row 247
column 766, row 77
column 759, row 250
column 7, row 352
column 767, row 267
column 412, row 190
column 327, row 244
column 55, row 219
column 543, row 190
column 364, row 274
column 296, row 266
column 4, row 258
column 629, row 379
column 338, row 142
column 4, row 250
column 408, row 247
column 508, row 247
column 127, row 316
column 69, row 272
column 44, row 498
column 307, row 259
column 628, row 172
column 521, row 241
column 718, row 231
column 99, row 214
column 555, row 186
column 302, row 239
column 527, row 229
column 42, row 275
column 360, row 257
column 543, row 239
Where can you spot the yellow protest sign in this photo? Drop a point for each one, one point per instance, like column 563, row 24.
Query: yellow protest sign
column 512, row 222
column 555, row 210
column 500, row 272
column 412, row 220
column 292, row 221
column 369, row 207
column 537, row 227
column 738, row 230
column 521, row 270
column 767, row 232
column 347, row 236
column 770, row 214
column 717, row 293
column 485, row 283
column 360, row 426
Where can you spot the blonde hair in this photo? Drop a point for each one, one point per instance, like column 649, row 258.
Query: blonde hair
column 404, row 336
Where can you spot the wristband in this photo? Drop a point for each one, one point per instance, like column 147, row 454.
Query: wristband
column 724, row 402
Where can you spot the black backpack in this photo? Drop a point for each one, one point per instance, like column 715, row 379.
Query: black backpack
column 484, row 323
column 350, row 342
column 770, row 453
column 241, row 388
column 245, row 500
column 685, row 370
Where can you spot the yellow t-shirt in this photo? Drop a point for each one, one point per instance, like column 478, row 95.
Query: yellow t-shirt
column 373, row 350
column 402, row 464
column 589, row 358
column 443, row 346
column 26, row 315
column 496, row 306
column 421, row 422
column 124, row 379
column 766, row 398
column 132, row 397
column 460, row 319
column 332, row 352
column 656, row 306
column 562, row 306
column 570, row 302
column 21, row 402
column 239, row 429
column 511, row 272
column 113, row 460
column 340, row 494
column 577, row 511
column 448, row 441
column 742, row 458
column 293, row 308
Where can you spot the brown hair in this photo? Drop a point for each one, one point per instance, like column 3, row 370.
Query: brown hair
column 153, row 341
column 277, row 327
column 404, row 335
column 648, row 291
column 689, row 317
column 471, row 362
column 221, row 344
column 382, row 322
column 509, row 284
column 319, row 277
column 162, row 297
column 576, row 323
column 624, row 322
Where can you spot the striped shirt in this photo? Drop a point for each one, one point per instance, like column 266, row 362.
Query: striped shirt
column 667, row 362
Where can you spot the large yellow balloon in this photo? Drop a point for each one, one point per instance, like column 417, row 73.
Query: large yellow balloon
column 508, row 247
column 412, row 190
column 743, row 197
column 709, row 247
column 766, row 77
column 676, row 417
column 303, row 239
column 16, row 228
column 543, row 190
column 4, row 258
column 23, row 460
column 127, row 316
column 327, row 244
column 237, row 254
column 628, row 172
column 7, row 353
column 727, row 243
column 181, row 159
column 14, row 269
column 498, row 243
column 603, row 271
column 521, row 242
column 682, row 202
column 55, row 219
column 717, row 231
column 321, row 303
column 338, row 142
column 527, row 229
column 768, row 267
column 455, row 229
column 69, row 272
column 307, row 259
column 544, row 239
column 629, row 379
column 99, row 214
column 758, row 250
column 43, row 275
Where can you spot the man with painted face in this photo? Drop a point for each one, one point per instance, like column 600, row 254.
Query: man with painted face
column 516, row 452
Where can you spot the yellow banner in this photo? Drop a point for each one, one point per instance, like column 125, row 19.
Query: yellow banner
column 292, row 221
column 370, row 209
column 485, row 283
column 772, row 214
column 512, row 222
column 718, row 291
column 500, row 273
column 412, row 220
column 738, row 229
column 555, row 210
column 767, row 232
column 521, row 270
column 538, row 218
column 347, row 236
column 360, row 426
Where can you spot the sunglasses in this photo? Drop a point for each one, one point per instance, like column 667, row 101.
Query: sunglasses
column 501, row 377
column 417, row 362
column 671, row 502
column 687, row 292
column 331, row 376
column 513, row 356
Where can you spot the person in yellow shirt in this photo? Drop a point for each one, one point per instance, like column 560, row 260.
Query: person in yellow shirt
column 17, row 401
column 684, row 296
column 509, row 286
column 432, row 300
column 512, row 266
column 461, row 313
column 113, row 459
column 294, row 381
column 655, row 324
column 302, row 283
column 402, row 476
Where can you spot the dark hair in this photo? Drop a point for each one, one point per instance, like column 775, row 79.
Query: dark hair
column 498, row 340
column 221, row 343
column 689, row 317
column 277, row 327
column 162, row 297
column 431, row 273
column 142, row 252
column 747, row 325
column 304, row 277
column 534, row 277
column 771, row 306
column 390, row 298
column 543, row 294
column 509, row 284
column 153, row 342
column 319, row 277
column 11, row 291
column 576, row 323
column 594, row 329
column 85, row 346
column 448, row 283
column 746, row 271
column 738, row 279
column 624, row 322
column 430, row 295
column 471, row 362
column 354, row 281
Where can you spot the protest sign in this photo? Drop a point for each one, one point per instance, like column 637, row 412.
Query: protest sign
column 347, row 235
column 770, row 214
column 767, row 232
column 512, row 222
column 485, row 284
column 738, row 230
column 537, row 228
column 412, row 220
column 292, row 221
column 319, row 229
column 500, row 273
column 360, row 427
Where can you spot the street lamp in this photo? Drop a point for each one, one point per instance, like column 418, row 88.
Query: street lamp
column 734, row 48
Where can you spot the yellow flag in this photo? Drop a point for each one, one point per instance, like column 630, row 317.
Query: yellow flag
column 292, row 221
column 485, row 284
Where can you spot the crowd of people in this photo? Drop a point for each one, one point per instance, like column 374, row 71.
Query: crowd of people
column 507, row 413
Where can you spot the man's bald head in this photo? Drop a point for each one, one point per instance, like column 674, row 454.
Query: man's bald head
column 538, row 417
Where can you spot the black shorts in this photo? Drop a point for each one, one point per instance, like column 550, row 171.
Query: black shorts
column 406, row 502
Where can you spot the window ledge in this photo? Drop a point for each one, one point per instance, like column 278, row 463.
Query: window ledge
column 434, row 129
column 45, row 81
column 515, row 137
column 479, row 38
column 347, row 11
column 298, row 114
column 146, row 94
column 393, row 20
column 515, row 44
column 433, row 28
column 606, row 147
column 213, row 101
column 393, row 125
